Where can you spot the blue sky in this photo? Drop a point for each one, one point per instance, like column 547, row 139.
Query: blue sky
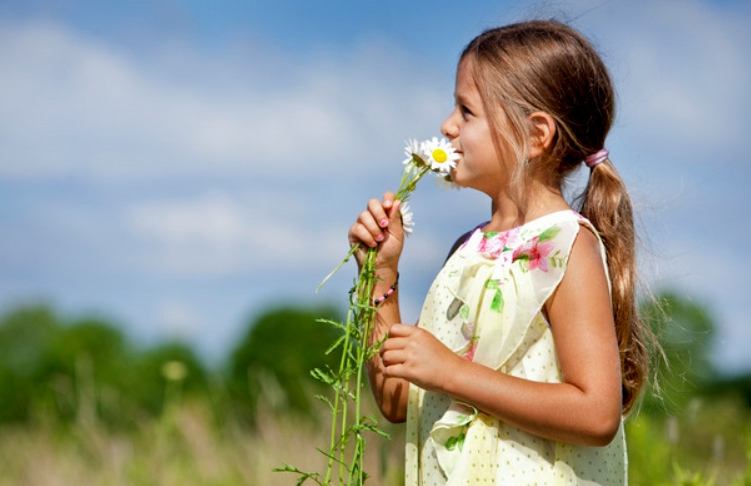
column 180, row 166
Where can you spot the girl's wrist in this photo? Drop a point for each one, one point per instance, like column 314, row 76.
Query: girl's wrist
column 379, row 299
column 386, row 276
column 386, row 284
column 454, row 375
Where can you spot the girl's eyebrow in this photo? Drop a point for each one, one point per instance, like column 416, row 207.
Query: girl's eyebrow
column 459, row 99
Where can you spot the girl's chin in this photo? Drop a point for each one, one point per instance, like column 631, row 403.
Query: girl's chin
column 456, row 177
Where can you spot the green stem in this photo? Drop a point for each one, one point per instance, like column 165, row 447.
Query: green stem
column 356, row 350
column 352, row 251
column 367, row 282
column 338, row 398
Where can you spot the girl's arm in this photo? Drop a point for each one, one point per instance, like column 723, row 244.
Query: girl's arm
column 584, row 409
column 391, row 393
column 380, row 225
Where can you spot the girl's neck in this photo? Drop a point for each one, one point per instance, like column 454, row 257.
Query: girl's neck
column 539, row 201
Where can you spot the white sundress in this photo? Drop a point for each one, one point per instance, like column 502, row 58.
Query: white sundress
column 486, row 305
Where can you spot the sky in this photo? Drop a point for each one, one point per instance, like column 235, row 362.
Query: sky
column 180, row 167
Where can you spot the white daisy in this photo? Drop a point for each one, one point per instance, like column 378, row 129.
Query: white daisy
column 408, row 224
column 411, row 149
column 445, row 182
column 439, row 154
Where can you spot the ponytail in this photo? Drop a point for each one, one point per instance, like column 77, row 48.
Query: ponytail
column 607, row 205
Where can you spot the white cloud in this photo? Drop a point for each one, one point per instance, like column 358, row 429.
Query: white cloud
column 213, row 220
column 217, row 234
column 77, row 106
column 683, row 69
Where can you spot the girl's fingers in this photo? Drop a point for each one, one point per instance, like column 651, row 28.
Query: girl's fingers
column 359, row 234
column 369, row 227
column 400, row 330
column 369, row 223
column 395, row 342
column 395, row 219
column 388, row 199
column 378, row 212
column 380, row 221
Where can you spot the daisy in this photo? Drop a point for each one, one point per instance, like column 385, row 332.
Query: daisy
column 445, row 182
column 439, row 154
column 412, row 151
column 408, row 223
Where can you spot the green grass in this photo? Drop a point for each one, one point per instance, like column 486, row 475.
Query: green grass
column 708, row 444
column 186, row 446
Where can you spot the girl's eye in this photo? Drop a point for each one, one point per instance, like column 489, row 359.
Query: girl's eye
column 464, row 111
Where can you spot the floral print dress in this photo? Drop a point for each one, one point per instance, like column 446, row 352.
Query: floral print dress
column 486, row 305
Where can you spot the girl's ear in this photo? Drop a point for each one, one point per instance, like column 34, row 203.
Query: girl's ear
column 542, row 133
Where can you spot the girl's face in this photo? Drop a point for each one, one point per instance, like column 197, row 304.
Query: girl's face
column 468, row 128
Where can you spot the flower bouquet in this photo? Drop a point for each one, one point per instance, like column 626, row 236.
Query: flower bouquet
column 347, row 444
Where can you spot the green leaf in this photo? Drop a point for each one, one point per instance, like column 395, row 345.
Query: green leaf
column 336, row 344
column 326, row 400
column 549, row 234
column 497, row 304
column 456, row 441
column 323, row 376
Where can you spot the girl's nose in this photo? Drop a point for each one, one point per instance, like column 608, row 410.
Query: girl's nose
column 449, row 126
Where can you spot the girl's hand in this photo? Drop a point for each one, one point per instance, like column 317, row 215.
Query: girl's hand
column 380, row 224
column 417, row 356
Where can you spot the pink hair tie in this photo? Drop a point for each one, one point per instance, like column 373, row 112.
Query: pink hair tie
column 597, row 158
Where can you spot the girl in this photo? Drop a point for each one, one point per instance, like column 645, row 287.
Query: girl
column 528, row 351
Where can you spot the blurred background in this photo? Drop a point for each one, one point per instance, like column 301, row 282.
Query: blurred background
column 178, row 177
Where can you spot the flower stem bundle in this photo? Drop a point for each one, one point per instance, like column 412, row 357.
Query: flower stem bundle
column 346, row 448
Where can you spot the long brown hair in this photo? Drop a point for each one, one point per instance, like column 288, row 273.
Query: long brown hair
column 548, row 66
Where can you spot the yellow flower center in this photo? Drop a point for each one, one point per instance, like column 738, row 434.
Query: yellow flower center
column 440, row 155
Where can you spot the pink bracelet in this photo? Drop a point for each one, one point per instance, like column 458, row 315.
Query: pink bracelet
column 388, row 292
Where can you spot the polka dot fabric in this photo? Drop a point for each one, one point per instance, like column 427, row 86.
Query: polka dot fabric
column 486, row 305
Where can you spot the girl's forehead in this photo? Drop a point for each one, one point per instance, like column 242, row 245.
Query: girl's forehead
column 466, row 64
column 466, row 85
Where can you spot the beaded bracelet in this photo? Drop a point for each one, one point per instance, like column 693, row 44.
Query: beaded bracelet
column 388, row 292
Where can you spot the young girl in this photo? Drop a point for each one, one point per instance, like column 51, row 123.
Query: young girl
column 529, row 350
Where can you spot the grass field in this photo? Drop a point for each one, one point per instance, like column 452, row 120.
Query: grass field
column 188, row 445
